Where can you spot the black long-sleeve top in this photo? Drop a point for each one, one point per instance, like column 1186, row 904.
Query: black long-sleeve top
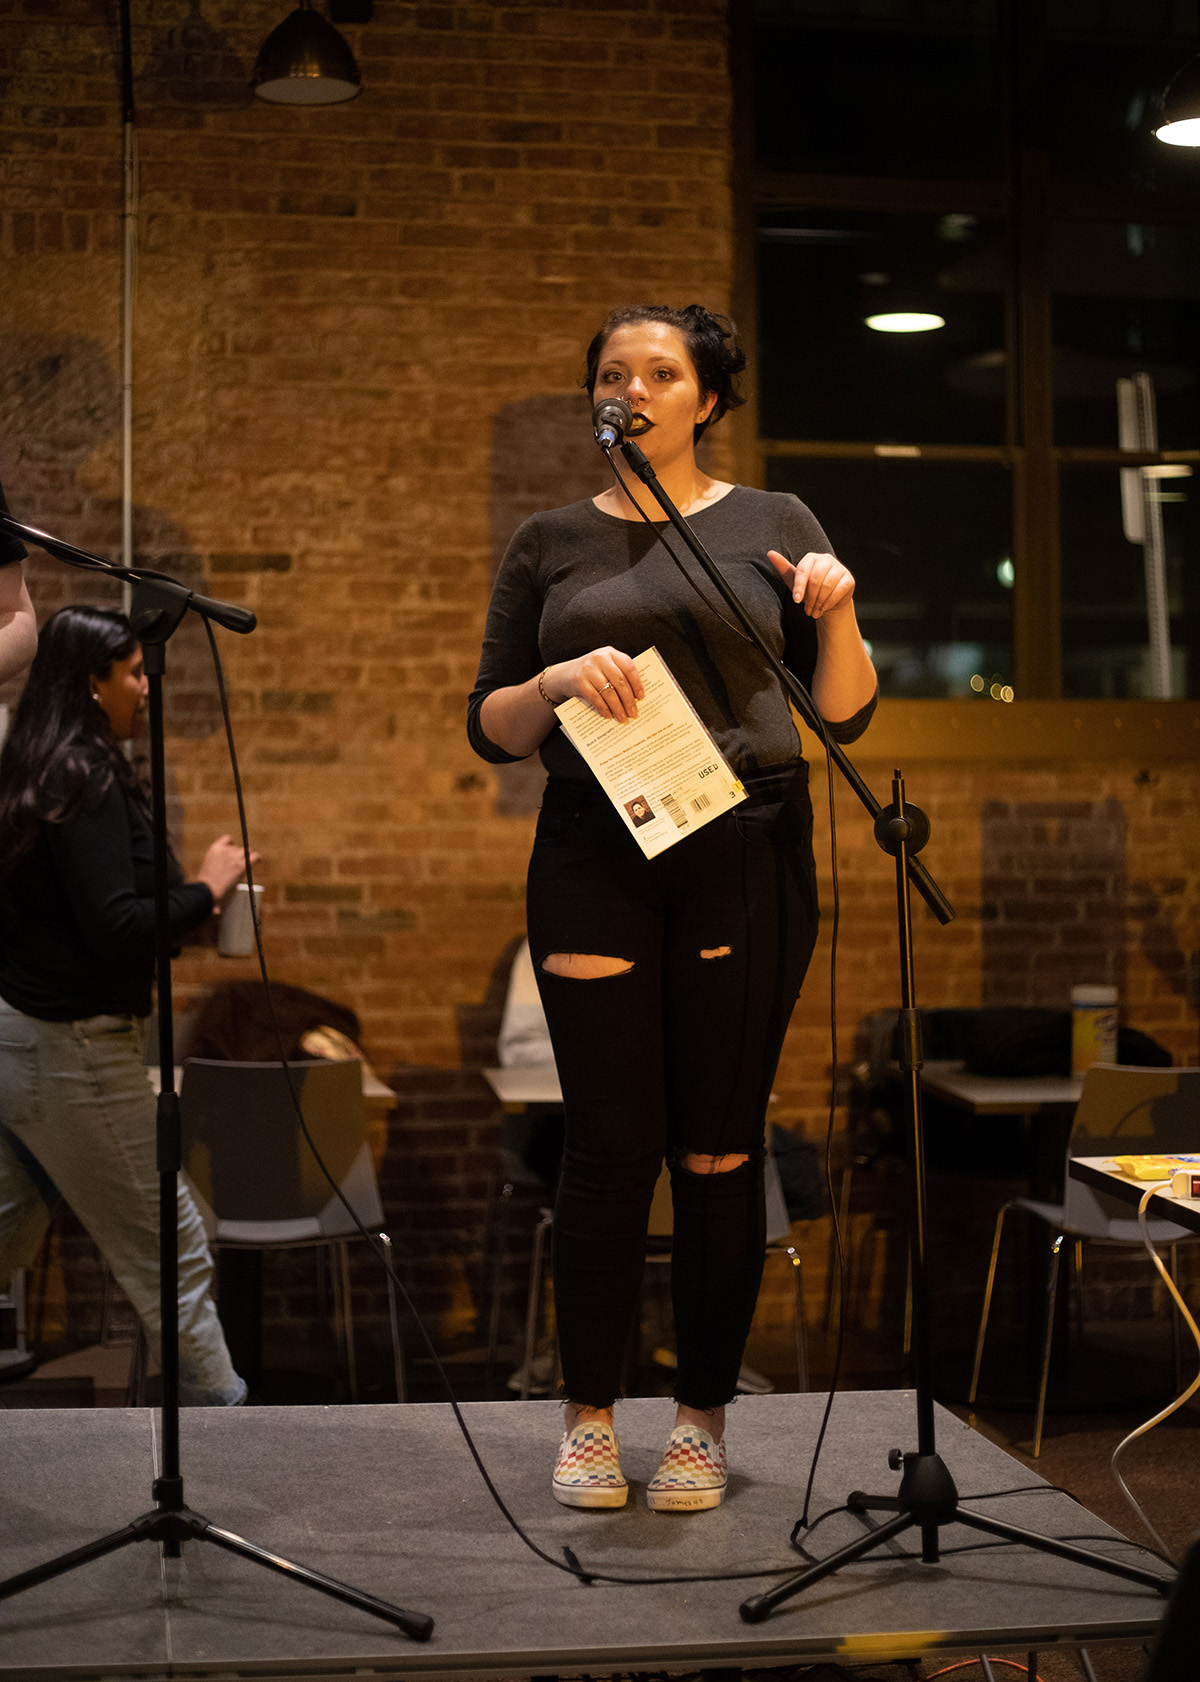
column 576, row 578
column 77, row 920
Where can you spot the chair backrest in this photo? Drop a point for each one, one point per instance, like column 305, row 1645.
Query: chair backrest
column 183, row 1028
column 247, row 1157
column 1126, row 1111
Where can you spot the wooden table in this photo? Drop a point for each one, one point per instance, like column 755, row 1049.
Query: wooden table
column 1099, row 1173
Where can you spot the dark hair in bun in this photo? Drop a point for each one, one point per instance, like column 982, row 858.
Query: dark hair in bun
column 712, row 344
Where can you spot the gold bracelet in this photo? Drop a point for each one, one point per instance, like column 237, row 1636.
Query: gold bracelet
column 542, row 687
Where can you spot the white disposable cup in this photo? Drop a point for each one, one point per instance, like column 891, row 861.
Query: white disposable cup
column 235, row 934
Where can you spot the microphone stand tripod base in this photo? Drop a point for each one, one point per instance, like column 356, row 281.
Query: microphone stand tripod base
column 927, row 1498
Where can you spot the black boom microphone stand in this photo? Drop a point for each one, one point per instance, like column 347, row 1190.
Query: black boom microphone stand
column 927, row 1498
column 159, row 604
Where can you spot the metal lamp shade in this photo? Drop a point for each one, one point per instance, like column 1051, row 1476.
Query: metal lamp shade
column 305, row 61
column 1180, row 123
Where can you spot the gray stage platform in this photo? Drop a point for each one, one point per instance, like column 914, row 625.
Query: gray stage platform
column 387, row 1499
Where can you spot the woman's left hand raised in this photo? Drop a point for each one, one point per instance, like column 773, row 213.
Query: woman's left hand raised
column 819, row 583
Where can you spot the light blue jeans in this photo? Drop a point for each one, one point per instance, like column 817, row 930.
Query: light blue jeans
column 76, row 1097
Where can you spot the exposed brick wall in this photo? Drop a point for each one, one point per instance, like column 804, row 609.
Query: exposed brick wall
column 333, row 308
column 1059, row 872
column 346, row 320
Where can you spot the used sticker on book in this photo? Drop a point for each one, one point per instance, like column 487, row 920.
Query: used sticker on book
column 662, row 770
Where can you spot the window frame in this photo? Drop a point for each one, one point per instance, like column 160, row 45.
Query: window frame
column 1027, row 200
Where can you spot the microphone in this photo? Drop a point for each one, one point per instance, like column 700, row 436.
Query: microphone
column 611, row 420
column 11, row 548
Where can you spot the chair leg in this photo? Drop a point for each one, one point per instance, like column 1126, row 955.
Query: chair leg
column 987, row 1308
column 496, row 1246
column 1051, row 1299
column 1176, row 1341
column 106, row 1308
column 793, row 1256
column 135, row 1383
column 394, row 1321
column 344, row 1314
column 833, row 1285
column 534, row 1301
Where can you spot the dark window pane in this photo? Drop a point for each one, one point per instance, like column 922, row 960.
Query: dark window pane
column 823, row 373
column 1106, row 651
column 929, row 545
column 1126, row 301
column 847, row 89
column 1107, row 67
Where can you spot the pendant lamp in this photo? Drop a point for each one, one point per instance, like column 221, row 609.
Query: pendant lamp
column 1180, row 125
column 305, row 61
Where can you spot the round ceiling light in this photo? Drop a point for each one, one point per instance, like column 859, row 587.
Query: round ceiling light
column 905, row 321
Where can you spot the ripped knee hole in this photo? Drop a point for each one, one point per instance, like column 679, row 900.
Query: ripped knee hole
column 694, row 1163
column 585, row 966
column 716, row 951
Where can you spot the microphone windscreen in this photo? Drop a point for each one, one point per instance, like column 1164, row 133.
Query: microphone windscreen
column 612, row 411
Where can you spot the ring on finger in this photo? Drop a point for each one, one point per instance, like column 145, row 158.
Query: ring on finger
column 605, row 686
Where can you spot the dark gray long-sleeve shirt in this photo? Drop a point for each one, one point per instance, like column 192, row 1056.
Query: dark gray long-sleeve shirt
column 575, row 579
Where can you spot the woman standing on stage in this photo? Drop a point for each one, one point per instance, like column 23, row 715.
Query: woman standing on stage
column 77, row 945
column 667, row 983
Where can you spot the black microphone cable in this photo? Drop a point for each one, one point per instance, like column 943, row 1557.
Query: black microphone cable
column 570, row 1563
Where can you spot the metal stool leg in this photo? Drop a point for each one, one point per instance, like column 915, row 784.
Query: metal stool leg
column 394, row 1321
column 793, row 1255
column 983, row 1318
column 1051, row 1299
column 534, row 1300
column 343, row 1313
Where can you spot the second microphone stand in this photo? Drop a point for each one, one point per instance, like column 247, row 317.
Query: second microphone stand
column 928, row 1497
column 159, row 604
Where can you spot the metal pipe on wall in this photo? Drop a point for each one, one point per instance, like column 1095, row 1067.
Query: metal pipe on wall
column 129, row 245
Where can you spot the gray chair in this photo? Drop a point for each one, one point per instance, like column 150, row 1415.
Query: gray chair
column 258, row 1186
column 1122, row 1111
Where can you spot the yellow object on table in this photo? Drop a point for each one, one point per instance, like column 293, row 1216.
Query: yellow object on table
column 1150, row 1167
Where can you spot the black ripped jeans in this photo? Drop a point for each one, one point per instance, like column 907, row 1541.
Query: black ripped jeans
column 673, row 1056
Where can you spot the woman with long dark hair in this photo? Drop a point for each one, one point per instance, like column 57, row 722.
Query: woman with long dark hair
column 77, row 1116
column 667, row 982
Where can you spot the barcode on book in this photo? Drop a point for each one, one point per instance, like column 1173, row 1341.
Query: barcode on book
column 700, row 802
column 674, row 811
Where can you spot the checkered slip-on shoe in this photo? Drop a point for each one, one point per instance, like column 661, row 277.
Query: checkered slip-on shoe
column 587, row 1472
column 692, row 1475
